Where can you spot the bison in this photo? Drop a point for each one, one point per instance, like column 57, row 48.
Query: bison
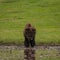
column 29, row 35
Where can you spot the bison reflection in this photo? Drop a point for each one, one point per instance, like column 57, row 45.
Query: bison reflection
column 29, row 34
column 29, row 54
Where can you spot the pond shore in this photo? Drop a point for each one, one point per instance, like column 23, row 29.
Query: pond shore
column 22, row 47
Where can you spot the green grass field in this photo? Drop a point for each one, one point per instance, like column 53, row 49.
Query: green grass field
column 43, row 14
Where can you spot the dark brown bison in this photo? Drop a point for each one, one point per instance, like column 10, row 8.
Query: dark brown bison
column 29, row 35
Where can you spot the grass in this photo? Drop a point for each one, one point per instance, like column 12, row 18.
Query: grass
column 43, row 14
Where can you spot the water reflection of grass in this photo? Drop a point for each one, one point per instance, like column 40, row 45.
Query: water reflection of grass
column 18, row 54
column 47, row 55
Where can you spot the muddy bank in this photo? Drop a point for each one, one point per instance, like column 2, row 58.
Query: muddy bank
column 36, row 47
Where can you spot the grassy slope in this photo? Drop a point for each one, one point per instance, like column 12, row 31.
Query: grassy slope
column 43, row 14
